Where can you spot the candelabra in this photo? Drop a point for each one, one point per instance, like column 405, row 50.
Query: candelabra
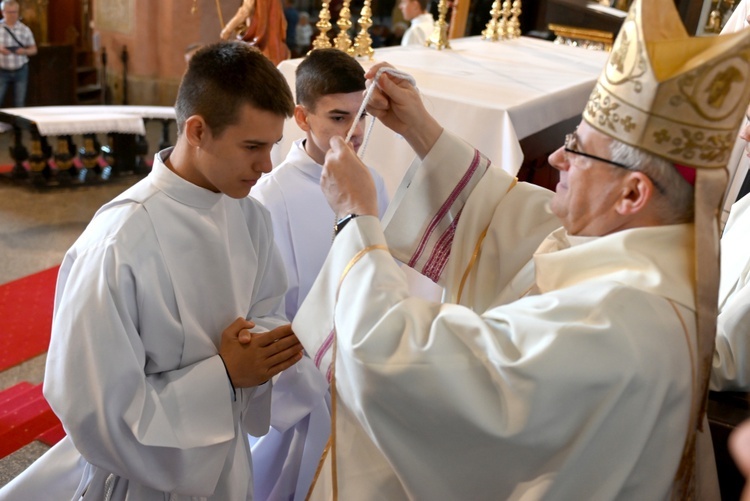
column 514, row 25
column 493, row 30
column 439, row 36
column 363, row 42
column 324, row 25
column 343, row 42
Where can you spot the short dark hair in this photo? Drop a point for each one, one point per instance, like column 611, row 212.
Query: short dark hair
column 327, row 71
column 222, row 77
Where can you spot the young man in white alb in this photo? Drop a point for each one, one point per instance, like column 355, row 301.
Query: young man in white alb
column 329, row 88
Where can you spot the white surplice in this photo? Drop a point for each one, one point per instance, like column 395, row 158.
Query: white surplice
column 287, row 456
column 419, row 30
column 738, row 160
column 302, row 219
column 731, row 364
column 133, row 369
column 738, row 19
column 563, row 370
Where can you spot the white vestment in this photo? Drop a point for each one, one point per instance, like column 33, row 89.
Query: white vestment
column 738, row 19
column 731, row 365
column 133, row 369
column 302, row 219
column 286, row 458
column 738, row 161
column 561, row 368
column 419, row 31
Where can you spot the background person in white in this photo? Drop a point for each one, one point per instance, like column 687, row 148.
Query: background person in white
column 738, row 163
column 16, row 45
column 552, row 349
column 152, row 368
column 421, row 20
column 329, row 91
column 731, row 364
column 738, row 19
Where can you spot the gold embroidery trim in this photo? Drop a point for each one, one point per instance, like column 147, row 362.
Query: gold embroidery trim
column 477, row 249
column 472, row 261
column 676, row 491
column 354, row 261
column 331, row 445
column 690, row 350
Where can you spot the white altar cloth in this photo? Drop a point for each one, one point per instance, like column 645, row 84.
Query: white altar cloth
column 490, row 93
column 62, row 120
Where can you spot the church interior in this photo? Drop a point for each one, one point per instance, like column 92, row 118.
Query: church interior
column 103, row 83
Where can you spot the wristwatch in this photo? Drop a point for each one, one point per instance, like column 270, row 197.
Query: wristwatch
column 343, row 222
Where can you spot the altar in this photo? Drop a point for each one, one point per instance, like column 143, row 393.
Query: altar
column 113, row 141
column 493, row 94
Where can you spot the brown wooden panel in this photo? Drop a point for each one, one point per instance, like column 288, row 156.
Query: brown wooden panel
column 51, row 77
column 575, row 13
column 64, row 19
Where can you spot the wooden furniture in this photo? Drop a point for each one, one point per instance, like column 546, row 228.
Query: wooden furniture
column 582, row 37
column 98, row 159
column 88, row 88
column 578, row 14
column 51, row 78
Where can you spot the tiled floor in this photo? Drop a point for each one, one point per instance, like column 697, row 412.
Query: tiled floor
column 36, row 228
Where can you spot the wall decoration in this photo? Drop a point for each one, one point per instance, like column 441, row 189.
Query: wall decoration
column 115, row 15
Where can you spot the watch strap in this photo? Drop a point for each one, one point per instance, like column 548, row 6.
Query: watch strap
column 343, row 222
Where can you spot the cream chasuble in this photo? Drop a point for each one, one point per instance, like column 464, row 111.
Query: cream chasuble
column 563, row 373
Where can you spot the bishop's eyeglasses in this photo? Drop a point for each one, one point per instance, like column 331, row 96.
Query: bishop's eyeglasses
column 571, row 144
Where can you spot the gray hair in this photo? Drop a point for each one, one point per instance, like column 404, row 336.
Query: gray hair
column 674, row 195
column 7, row 3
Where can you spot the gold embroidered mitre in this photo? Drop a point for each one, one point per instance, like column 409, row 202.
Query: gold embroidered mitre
column 681, row 98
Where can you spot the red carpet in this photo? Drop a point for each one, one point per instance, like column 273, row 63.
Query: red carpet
column 25, row 324
column 25, row 416
column 26, row 317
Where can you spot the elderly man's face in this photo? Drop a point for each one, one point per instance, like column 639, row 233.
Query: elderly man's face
column 11, row 13
column 588, row 189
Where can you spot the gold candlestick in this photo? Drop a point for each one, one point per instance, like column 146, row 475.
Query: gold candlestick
column 492, row 30
column 324, row 25
column 504, row 20
column 343, row 42
column 363, row 42
column 439, row 37
column 514, row 25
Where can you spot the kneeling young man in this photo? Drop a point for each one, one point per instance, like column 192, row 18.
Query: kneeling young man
column 152, row 367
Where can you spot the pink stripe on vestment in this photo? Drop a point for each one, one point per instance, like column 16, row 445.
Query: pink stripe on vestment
column 445, row 208
column 440, row 253
column 324, row 349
